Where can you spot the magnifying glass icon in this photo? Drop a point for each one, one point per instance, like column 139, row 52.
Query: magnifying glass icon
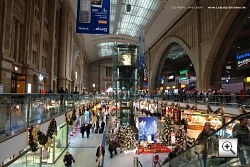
column 227, row 146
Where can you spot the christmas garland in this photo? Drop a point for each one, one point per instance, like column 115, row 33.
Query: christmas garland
column 35, row 136
column 68, row 119
column 242, row 110
column 218, row 110
column 31, row 141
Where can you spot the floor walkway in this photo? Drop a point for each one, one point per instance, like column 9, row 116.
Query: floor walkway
column 84, row 150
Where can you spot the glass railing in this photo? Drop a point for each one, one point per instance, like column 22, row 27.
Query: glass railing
column 207, row 154
column 232, row 101
column 18, row 111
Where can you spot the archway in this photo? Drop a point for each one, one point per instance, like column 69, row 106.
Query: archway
column 77, row 75
column 231, row 67
column 176, row 71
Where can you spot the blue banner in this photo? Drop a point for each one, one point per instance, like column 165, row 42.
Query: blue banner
column 147, row 128
column 93, row 16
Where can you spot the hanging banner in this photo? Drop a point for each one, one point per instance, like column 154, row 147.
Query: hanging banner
column 147, row 128
column 93, row 16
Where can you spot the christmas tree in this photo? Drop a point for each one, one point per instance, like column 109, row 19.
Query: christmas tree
column 32, row 143
column 52, row 129
column 130, row 140
column 180, row 138
column 73, row 116
column 168, row 128
column 120, row 138
column 110, row 131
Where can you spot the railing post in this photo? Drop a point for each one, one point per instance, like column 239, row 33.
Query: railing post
column 135, row 161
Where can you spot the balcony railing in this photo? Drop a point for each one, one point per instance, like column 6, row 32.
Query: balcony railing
column 18, row 111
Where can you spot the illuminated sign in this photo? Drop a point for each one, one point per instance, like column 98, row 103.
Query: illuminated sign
column 248, row 79
column 171, row 78
column 184, row 78
column 243, row 60
column 126, row 59
column 183, row 72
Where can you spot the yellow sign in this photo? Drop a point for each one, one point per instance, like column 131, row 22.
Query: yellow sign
column 248, row 79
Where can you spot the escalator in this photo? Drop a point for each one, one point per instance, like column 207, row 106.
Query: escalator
column 206, row 153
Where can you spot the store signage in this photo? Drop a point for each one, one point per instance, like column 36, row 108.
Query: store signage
column 243, row 59
column 171, row 78
column 183, row 78
column 93, row 16
column 248, row 79
column 183, row 72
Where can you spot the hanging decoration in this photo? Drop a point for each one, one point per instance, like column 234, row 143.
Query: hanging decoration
column 52, row 129
column 194, row 107
column 73, row 116
column 218, row 110
column 187, row 106
column 32, row 143
column 177, row 104
column 36, row 137
column 68, row 119
column 242, row 110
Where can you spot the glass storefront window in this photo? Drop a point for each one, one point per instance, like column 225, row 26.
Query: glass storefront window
column 60, row 141
column 49, row 155
column 29, row 159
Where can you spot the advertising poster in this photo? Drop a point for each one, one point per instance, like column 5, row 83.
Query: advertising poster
column 93, row 16
column 126, row 59
column 147, row 128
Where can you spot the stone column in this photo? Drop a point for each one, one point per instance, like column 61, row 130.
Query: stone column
column 63, row 45
column 51, row 42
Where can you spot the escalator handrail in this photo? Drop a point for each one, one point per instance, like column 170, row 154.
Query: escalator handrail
column 212, row 134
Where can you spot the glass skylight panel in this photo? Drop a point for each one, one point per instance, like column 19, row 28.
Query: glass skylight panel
column 133, row 22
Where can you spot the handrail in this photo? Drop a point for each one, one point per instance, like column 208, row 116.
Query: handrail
column 239, row 116
column 34, row 109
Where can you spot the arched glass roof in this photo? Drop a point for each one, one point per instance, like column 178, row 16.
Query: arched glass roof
column 130, row 17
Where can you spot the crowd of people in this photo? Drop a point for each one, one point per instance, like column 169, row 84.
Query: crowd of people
column 98, row 116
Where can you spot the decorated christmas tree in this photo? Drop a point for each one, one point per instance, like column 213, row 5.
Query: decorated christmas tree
column 110, row 130
column 180, row 138
column 31, row 139
column 52, row 129
column 130, row 140
column 73, row 116
column 35, row 136
column 168, row 128
column 120, row 138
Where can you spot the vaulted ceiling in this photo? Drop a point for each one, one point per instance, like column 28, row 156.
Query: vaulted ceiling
column 153, row 17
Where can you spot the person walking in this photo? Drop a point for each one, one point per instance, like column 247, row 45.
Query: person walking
column 88, row 126
column 68, row 159
column 242, row 132
column 203, row 136
column 156, row 160
column 82, row 130
column 112, row 147
column 100, row 152
column 103, row 125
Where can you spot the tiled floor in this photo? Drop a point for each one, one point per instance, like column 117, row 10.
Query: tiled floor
column 84, row 150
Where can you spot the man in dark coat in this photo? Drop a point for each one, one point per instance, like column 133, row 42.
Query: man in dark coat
column 112, row 147
column 100, row 152
column 82, row 130
column 88, row 126
column 68, row 158
column 203, row 139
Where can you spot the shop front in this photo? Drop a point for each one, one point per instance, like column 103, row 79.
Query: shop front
column 44, row 155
